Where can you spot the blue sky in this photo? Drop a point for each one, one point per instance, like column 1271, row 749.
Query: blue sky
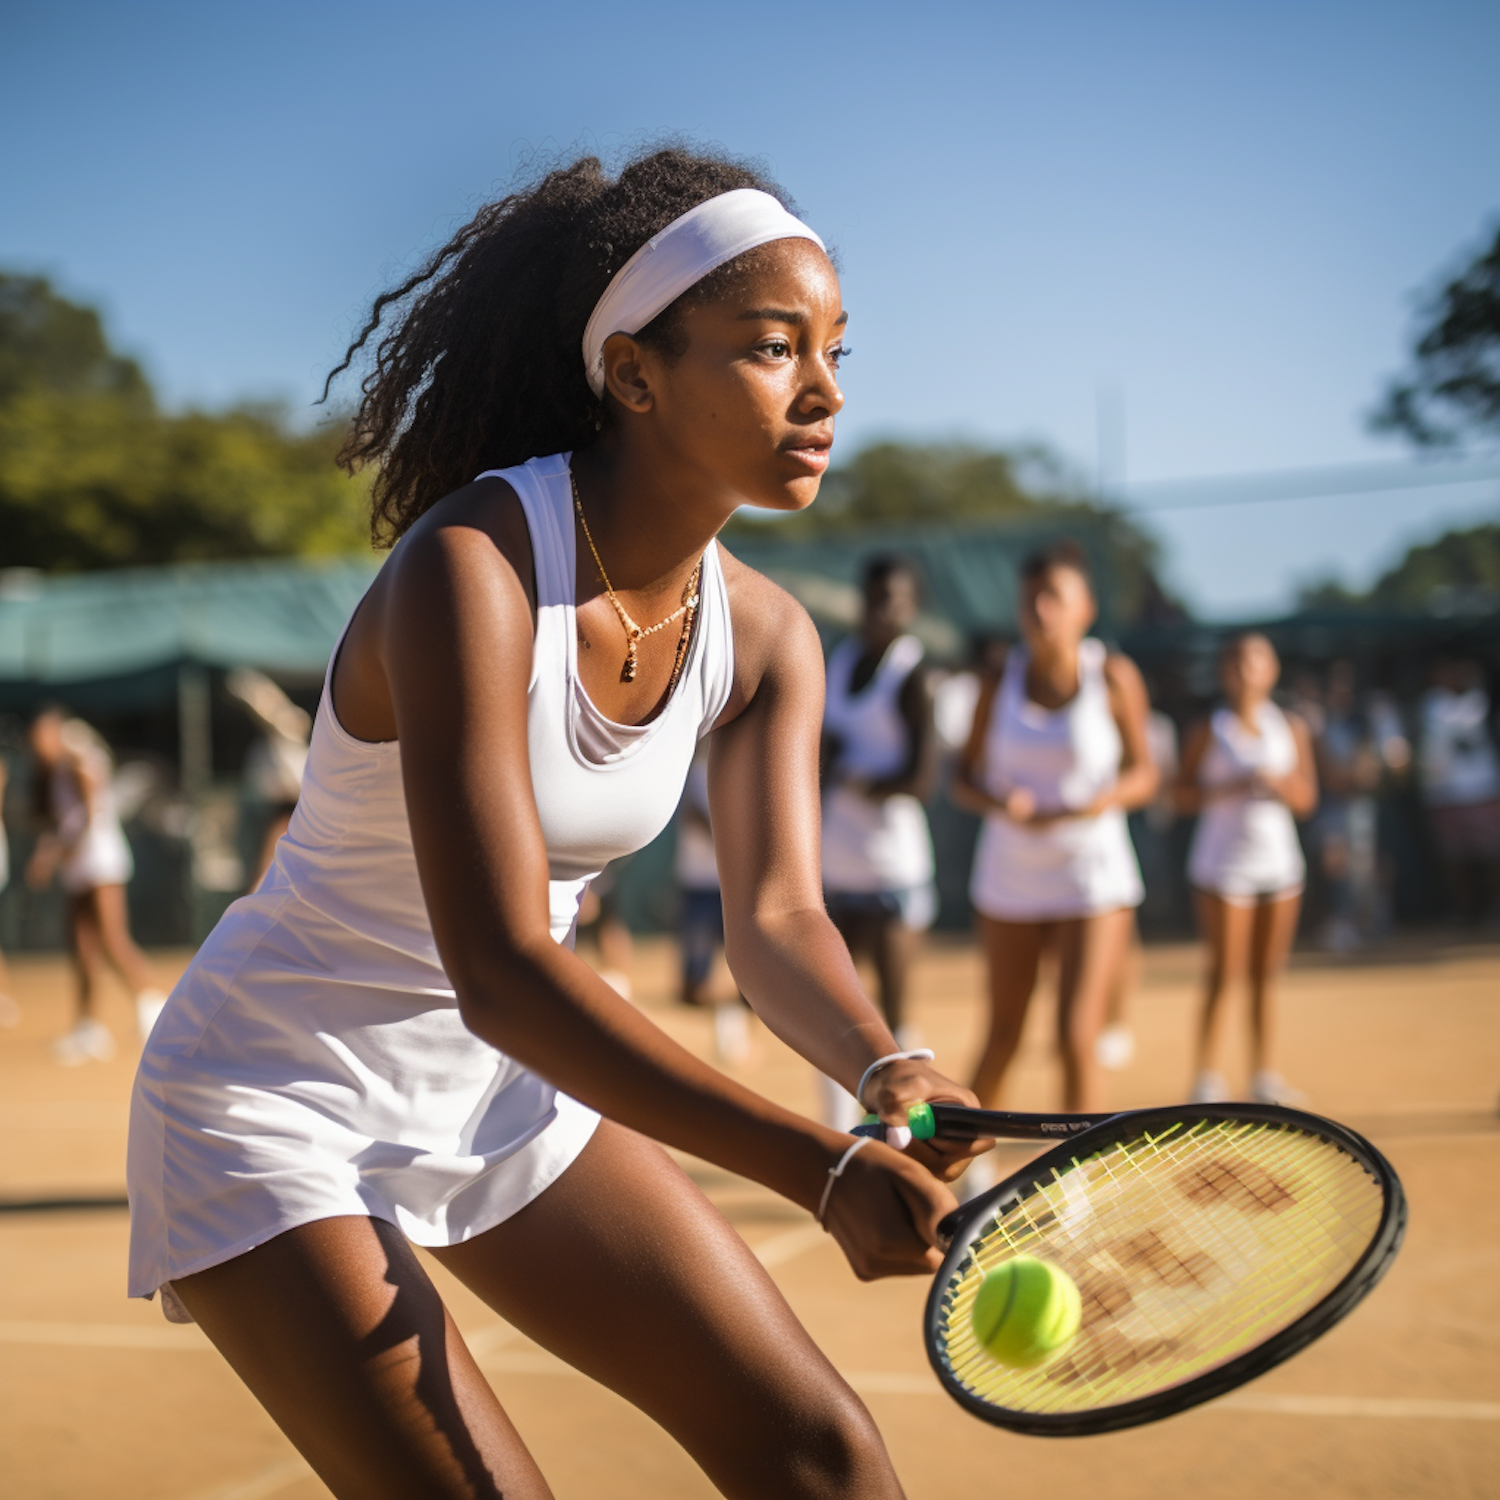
column 1206, row 220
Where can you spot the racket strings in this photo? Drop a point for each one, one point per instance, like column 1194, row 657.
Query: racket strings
column 1188, row 1247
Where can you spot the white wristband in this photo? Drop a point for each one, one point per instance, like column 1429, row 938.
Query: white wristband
column 917, row 1054
column 835, row 1172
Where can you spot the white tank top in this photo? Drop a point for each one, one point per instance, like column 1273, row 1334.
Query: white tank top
column 1065, row 757
column 870, row 844
column 312, row 1059
column 1246, row 845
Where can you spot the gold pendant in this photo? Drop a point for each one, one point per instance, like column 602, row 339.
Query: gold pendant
column 627, row 672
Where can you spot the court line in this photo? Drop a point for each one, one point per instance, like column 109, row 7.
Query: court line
column 789, row 1244
column 488, row 1345
column 280, row 1474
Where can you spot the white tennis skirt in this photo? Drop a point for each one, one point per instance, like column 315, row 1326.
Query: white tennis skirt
column 279, row 1088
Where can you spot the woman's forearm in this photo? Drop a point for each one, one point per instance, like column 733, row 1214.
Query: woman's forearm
column 550, row 1012
column 796, row 971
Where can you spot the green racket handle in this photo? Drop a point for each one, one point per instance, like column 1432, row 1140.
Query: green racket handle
column 919, row 1119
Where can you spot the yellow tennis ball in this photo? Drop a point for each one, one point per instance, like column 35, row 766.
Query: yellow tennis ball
column 1025, row 1311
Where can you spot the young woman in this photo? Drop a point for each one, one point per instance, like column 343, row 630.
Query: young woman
column 1246, row 773
column 391, row 1039
column 1057, row 755
column 879, row 754
column 85, row 848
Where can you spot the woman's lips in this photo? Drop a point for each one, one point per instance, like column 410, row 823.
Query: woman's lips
column 814, row 458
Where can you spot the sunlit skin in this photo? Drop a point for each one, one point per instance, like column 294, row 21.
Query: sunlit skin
column 1246, row 942
column 439, row 657
column 1055, row 611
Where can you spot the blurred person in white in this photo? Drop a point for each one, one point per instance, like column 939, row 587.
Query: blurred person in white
column 879, row 759
column 84, row 847
column 700, row 916
column 10, row 1012
column 1246, row 772
column 1057, row 755
column 276, row 762
column 1459, row 771
column 1349, row 769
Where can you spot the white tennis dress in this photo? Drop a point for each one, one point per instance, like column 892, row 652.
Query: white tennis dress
column 1245, row 846
column 312, row 1060
column 1065, row 757
column 870, row 844
column 98, row 853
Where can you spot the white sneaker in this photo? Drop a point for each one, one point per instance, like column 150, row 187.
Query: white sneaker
column 88, row 1041
column 149, row 1004
column 1114, row 1048
column 1209, row 1088
column 1271, row 1088
column 731, row 1033
column 838, row 1107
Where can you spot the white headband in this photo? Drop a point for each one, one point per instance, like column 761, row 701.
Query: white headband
column 702, row 240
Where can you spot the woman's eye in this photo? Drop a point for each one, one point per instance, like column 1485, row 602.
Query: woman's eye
column 776, row 348
column 839, row 354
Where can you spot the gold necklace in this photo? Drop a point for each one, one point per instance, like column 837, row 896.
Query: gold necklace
column 635, row 634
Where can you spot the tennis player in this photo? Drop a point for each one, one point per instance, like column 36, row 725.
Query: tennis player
column 390, row 1041
column 1057, row 756
column 1247, row 772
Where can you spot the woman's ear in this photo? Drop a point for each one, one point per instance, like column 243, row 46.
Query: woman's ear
column 625, row 373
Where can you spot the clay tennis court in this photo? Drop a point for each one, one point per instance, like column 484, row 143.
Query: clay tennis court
column 100, row 1396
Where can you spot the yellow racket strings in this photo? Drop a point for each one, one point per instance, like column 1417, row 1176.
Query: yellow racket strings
column 1188, row 1248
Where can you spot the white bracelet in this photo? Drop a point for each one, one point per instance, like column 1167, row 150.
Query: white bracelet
column 917, row 1054
column 834, row 1173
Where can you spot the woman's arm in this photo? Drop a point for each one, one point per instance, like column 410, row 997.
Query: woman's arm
column 454, row 645
column 1299, row 787
column 967, row 787
column 786, row 955
column 1139, row 778
column 917, row 775
column 1188, row 795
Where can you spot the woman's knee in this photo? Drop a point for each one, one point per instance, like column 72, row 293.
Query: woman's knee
column 829, row 1449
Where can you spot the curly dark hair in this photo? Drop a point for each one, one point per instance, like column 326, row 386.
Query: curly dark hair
column 482, row 366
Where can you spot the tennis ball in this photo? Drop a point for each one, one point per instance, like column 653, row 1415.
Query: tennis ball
column 1025, row 1311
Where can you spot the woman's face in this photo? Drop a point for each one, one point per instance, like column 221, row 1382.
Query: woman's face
column 1056, row 607
column 1250, row 671
column 46, row 738
column 749, row 404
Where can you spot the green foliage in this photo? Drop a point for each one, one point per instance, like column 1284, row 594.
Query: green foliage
column 1457, row 573
column 957, row 486
column 1455, row 384
column 94, row 475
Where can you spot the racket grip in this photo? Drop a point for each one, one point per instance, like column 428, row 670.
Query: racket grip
column 920, row 1120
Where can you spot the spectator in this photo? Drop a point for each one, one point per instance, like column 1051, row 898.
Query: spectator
column 1344, row 831
column 1460, row 779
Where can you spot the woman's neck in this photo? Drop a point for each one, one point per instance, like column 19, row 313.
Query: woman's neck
column 1052, row 677
column 649, row 519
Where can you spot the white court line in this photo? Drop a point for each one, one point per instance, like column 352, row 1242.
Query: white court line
column 282, row 1473
column 490, row 1352
column 788, row 1245
column 181, row 1338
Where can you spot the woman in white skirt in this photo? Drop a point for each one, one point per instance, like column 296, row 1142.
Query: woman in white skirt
column 1057, row 756
column 84, row 846
column 1247, row 772
column 390, row 1040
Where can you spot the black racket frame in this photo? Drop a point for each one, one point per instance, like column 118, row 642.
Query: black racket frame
column 1085, row 1136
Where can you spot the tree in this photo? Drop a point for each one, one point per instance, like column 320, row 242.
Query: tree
column 1454, row 386
column 94, row 475
column 1459, row 573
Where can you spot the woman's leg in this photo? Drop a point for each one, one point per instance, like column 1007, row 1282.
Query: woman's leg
column 341, row 1336
column 1091, row 952
column 626, row 1271
column 1013, row 949
column 893, row 946
column 113, row 918
column 1226, row 932
column 1270, row 943
column 86, row 949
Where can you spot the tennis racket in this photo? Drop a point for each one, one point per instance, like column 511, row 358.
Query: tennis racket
column 1208, row 1243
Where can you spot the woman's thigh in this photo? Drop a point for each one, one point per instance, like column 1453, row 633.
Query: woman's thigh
column 1226, row 927
column 1275, row 928
column 1014, row 953
column 340, row 1334
column 626, row 1271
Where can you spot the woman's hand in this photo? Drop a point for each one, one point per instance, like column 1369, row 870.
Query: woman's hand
column 42, row 865
column 884, row 1211
column 899, row 1085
